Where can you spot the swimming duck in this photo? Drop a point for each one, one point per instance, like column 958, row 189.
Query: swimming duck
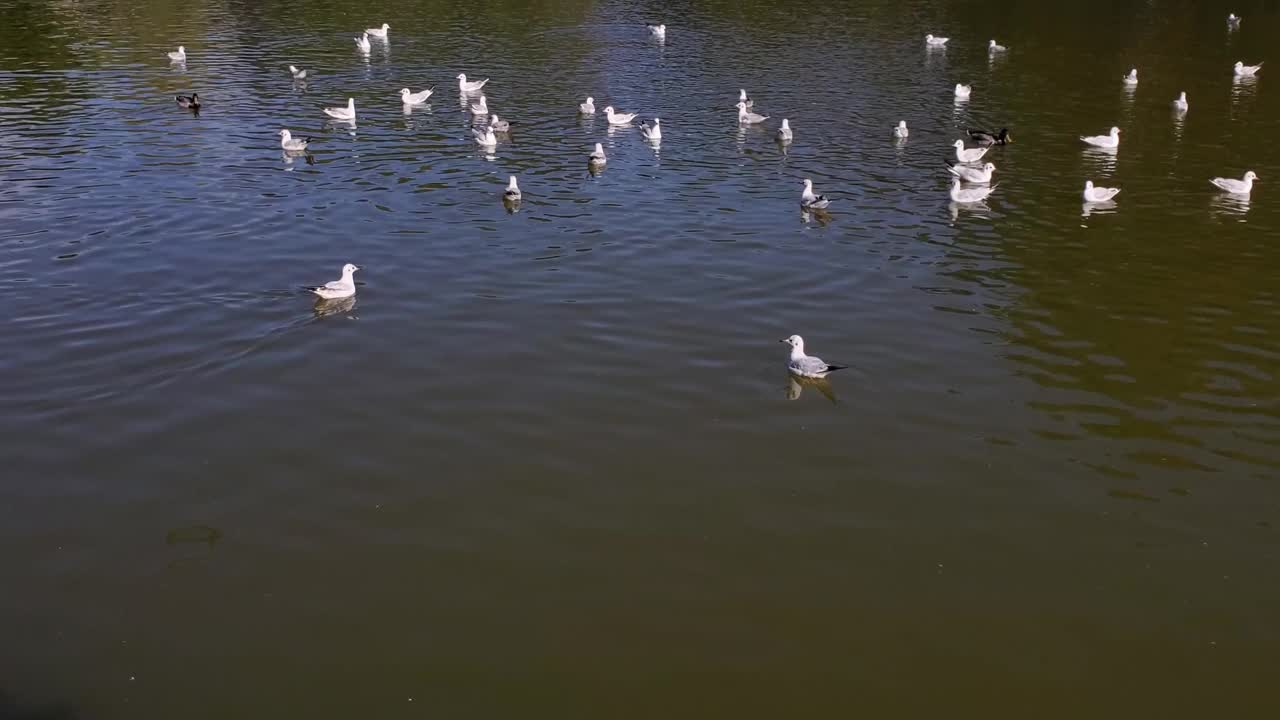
column 191, row 102
column 986, row 137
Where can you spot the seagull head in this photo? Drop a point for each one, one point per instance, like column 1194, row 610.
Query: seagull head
column 285, row 133
column 590, row 100
column 1088, row 185
column 902, row 124
column 989, row 167
column 795, row 341
column 741, row 106
column 608, row 110
column 183, row 51
column 511, row 184
column 1237, row 66
column 385, row 27
column 742, row 95
column 959, row 144
column 599, row 149
column 786, row 124
column 404, row 92
column 1251, row 175
column 349, row 269
column 928, row 38
column 1115, row 132
column 462, row 77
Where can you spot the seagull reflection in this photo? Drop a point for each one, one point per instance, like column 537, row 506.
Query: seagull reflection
column 289, row 156
column 325, row 308
column 1230, row 204
column 796, row 386
column 1243, row 86
column 512, row 205
column 977, row 209
column 1102, row 208
column 808, row 215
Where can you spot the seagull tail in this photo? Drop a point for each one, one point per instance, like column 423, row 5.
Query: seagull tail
column 949, row 162
column 833, row 368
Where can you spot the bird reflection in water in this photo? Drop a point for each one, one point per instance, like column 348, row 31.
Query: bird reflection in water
column 326, row 308
column 822, row 217
column 796, row 386
column 289, row 156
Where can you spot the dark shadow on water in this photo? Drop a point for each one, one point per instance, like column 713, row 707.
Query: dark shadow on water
column 11, row 709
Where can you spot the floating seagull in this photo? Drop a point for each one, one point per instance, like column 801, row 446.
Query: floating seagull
column 380, row 33
column 337, row 289
column 746, row 117
column 1234, row 20
column 498, row 124
column 901, row 131
column 807, row 366
column 343, row 113
column 969, row 155
column 932, row 41
column 984, row 137
column 362, row 43
column 784, row 132
column 809, row 201
column 658, row 31
column 469, row 87
column 742, row 98
column 994, row 47
column 963, row 91
column 1236, row 187
column 976, row 175
column 179, row 56
column 480, row 108
column 1111, row 140
column 292, row 144
column 652, row 133
column 415, row 98
column 512, row 193
column 588, row 107
column 969, row 195
column 617, row 118
column 485, row 137
column 1181, row 103
column 1098, row 194
column 191, row 102
column 1241, row 69
column 597, row 156
column 1132, row 77
column 297, row 74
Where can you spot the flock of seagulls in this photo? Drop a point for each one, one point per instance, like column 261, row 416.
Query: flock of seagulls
column 971, row 178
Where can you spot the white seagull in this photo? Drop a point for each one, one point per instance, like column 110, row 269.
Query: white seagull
column 994, row 47
column 180, row 55
column 617, row 118
column 513, row 191
column 337, row 289
column 292, row 144
column 1240, row 68
column 297, row 74
column 362, row 43
column 480, row 108
column 380, row 33
column 415, row 98
column 809, row 201
column 901, row 130
column 784, row 132
column 969, row 195
column 498, row 124
column 343, row 113
column 597, row 156
column 1234, row 20
column 1098, row 194
column 742, row 98
column 1181, row 103
column 746, row 117
column 963, row 91
column 485, row 137
column 1110, row 140
column 588, row 107
column 806, row 366
column 469, row 87
column 976, row 175
column 969, row 155
column 652, row 133
column 1236, row 187
column 1132, row 77
column 658, row 31
column 932, row 41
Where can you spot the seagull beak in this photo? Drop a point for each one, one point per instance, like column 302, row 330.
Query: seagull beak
column 785, row 341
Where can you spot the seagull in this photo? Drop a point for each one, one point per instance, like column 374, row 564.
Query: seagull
column 1181, row 103
column 1234, row 20
column 180, row 55
column 297, row 74
column 1111, row 140
column 485, row 137
column 932, row 41
column 512, row 192
column 969, row 155
column 742, row 98
column 588, row 107
column 380, row 33
column 617, row 118
column 963, row 91
column 191, row 102
column 336, row 289
column 976, row 175
column 658, row 31
column 807, row 366
column 784, row 132
column 597, row 156
column 969, row 195
column 1241, row 69
column 1132, row 77
column 288, row 142
column 994, row 47
column 498, row 124
column 362, row 43
column 1098, row 194
column 746, row 117
column 469, row 87
column 343, row 113
column 480, row 108
column 652, row 133
column 984, row 137
column 1236, row 187
column 901, row 131
column 809, row 201
column 415, row 98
